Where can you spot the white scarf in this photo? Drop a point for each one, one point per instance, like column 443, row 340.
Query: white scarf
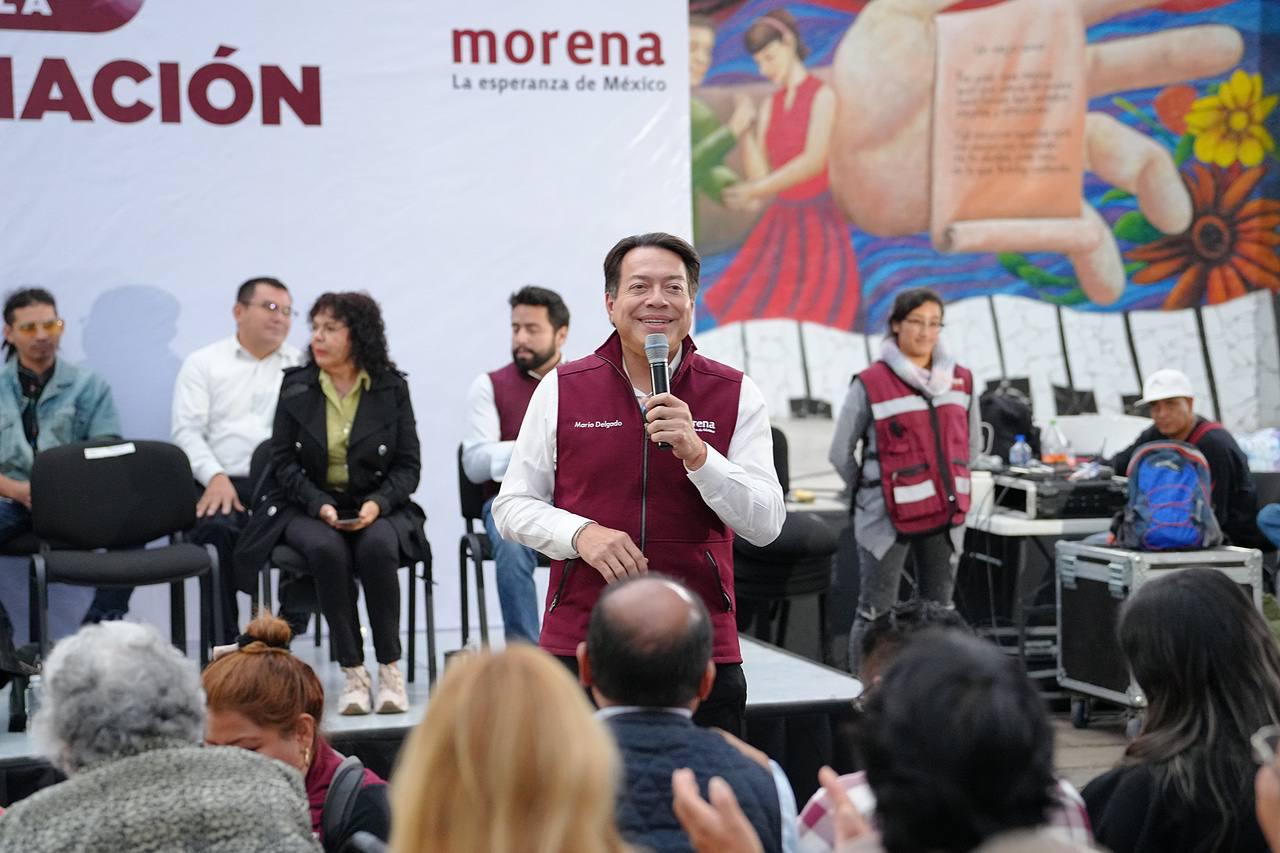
column 930, row 383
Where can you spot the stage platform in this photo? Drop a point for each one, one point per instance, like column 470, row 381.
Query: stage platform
column 796, row 710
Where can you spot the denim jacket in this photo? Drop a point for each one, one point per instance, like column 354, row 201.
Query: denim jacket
column 76, row 406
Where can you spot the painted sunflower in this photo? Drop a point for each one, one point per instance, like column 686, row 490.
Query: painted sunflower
column 1228, row 126
column 1230, row 247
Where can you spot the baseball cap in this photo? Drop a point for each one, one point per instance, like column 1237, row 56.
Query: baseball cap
column 1165, row 384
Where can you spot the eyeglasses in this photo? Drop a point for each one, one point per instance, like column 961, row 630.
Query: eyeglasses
column 1264, row 743
column 273, row 307
column 921, row 324
column 51, row 327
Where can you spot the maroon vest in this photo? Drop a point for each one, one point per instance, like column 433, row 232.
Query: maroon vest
column 923, row 447
column 608, row 470
column 512, row 390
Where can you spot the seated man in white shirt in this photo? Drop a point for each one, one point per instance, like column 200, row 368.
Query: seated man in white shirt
column 224, row 402
column 496, row 405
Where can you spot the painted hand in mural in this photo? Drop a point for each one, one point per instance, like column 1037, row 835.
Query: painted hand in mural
column 883, row 75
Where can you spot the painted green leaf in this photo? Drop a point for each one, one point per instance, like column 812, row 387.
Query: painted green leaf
column 1011, row 261
column 1133, row 266
column 1135, row 228
column 1114, row 194
column 1071, row 297
column 1183, row 151
column 1033, row 275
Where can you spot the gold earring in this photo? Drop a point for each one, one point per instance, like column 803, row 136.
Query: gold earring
column 306, row 758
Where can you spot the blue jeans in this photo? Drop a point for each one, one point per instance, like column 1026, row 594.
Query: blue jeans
column 1269, row 523
column 15, row 519
column 516, row 591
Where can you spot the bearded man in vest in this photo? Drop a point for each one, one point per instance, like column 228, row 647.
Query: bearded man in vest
column 591, row 486
column 496, row 404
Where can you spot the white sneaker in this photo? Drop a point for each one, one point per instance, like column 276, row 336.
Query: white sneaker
column 356, row 693
column 391, row 696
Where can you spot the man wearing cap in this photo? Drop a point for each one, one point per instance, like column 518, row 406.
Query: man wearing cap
column 1171, row 399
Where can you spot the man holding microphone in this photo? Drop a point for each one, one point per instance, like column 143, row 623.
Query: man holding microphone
column 592, row 486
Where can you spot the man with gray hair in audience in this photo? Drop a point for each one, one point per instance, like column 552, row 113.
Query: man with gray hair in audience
column 123, row 717
column 647, row 662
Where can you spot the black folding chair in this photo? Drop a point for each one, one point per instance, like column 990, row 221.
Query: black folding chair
column 798, row 563
column 103, row 501
column 474, row 548
column 287, row 559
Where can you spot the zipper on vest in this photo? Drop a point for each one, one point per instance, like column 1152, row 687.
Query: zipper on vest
column 644, row 459
column 728, row 602
column 564, row 577
column 944, row 464
column 644, row 478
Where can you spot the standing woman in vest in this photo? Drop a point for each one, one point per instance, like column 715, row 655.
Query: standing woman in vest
column 345, row 456
column 916, row 416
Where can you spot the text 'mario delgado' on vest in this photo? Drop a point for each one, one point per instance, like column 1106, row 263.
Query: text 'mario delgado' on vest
column 596, row 424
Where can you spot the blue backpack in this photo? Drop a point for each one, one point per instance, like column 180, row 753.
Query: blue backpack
column 1169, row 507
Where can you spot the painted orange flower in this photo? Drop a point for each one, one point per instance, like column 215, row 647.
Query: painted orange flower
column 1230, row 247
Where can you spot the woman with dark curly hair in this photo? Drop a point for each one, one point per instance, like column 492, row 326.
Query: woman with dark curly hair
column 345, row 458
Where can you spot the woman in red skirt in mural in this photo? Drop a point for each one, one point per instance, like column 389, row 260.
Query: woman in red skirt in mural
column 798, row 261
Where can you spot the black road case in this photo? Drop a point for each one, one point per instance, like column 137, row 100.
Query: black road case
column 1093, row 583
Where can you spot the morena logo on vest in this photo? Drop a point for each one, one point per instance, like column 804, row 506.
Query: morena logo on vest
column 705, row 426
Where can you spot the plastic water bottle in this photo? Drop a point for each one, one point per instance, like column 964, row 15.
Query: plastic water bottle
column 1020, row 453
column 1055, row 450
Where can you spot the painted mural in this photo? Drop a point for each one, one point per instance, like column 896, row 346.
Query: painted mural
column 786, row 94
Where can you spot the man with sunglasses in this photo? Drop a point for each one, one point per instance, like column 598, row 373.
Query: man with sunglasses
column 44, row 402
column 224, row 402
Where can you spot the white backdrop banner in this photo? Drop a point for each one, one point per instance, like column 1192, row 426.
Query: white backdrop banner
column 158, row 153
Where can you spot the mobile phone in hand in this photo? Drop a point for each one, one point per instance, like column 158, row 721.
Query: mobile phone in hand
column 347, row 518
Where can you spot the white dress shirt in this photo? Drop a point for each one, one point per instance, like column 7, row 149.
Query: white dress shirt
column 224, row 404
column 485, row 455
column 741, row 489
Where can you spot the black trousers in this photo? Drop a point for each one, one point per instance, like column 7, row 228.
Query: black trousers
column 222, row 532
column 725, row 706
column 336, row 559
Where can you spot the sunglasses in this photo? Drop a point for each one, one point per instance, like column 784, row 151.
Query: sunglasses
column 51, row 327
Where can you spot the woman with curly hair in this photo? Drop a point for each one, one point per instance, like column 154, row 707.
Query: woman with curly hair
column 345, row 459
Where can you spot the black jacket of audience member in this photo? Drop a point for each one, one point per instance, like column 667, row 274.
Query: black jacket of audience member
column 1235, row 501
column 655, row 743
column 1131, row 814
column 383, row 466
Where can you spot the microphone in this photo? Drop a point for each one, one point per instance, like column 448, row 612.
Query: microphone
column 655, row 349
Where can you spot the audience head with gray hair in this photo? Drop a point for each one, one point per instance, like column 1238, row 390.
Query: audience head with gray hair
column 114, row 690
column 122, row 714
